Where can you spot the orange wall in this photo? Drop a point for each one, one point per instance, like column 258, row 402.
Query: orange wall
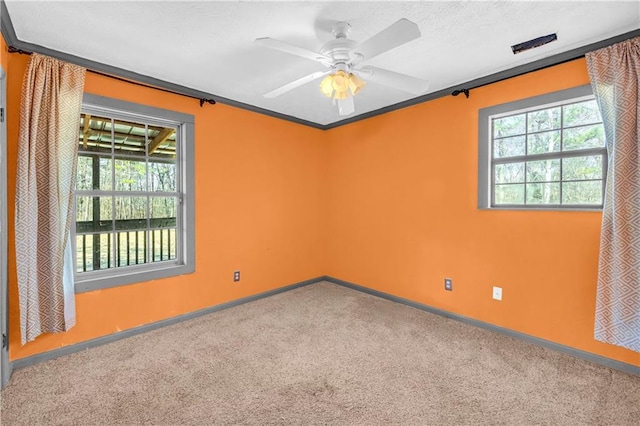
column 402, row 216
column 259, row 184
column 388, row 203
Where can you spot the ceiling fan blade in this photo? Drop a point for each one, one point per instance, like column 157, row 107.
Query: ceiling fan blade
column 290, row 48
column 296, row 83
column 393, row 79
column 391, row 37
column 346, row 106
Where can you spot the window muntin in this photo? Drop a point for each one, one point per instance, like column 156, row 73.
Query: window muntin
column 134, row 209
column 546, row 155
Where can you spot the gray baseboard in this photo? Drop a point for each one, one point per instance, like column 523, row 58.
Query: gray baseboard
column 46, row 356
column 597, row 359
column 7, row 369
column 588, row 356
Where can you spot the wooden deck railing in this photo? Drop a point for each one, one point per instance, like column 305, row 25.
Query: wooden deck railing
column 95, row 240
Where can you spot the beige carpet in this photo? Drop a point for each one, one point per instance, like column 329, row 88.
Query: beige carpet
column 321, row 354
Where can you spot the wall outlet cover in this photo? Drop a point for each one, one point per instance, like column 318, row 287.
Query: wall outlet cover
column 497, row 293
column 448, row 284
column 236, row 276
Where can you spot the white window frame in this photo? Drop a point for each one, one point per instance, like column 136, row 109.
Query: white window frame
column 185, row 186
column 485, row 139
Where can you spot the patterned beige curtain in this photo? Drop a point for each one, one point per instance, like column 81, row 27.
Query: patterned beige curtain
column 47, row 150
column 614, row 73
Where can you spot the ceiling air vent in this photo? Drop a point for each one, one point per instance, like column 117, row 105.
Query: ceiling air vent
column 532, row 44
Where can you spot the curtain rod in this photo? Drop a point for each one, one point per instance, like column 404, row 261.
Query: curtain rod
column 202, row 100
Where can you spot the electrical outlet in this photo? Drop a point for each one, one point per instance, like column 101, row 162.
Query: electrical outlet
column 236, row 276
column 497, row 293
column 448, row 284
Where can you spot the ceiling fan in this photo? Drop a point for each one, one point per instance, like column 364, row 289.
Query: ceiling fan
column 345, row 77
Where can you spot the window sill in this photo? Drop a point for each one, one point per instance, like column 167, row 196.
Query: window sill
column 545, row 209
column 133, row 275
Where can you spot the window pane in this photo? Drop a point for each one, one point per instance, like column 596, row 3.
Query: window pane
column 132, row 248
column 509, row 126
column 131, row 175
column 84, row 253
column 84, row 210
column 509, row 194
column 163, row 212
column 95, row 134
column 85, row 207
column 85, row 173
column 129, row 138
column 509, row 147
column 586, row 192
column 546, row 119
column 94, row 252
column 543, row 171
column 582, row 168
column 106, row 211
column 169, row 148
column 540, row 143
column 583, row 137
column 106, row 251
column 509, row 173
column 581, row 113
column 162, row 142
column 163, row 222
column 135, row 129
column 105, row 171
column 138, row 247
column 162, row 176
column 131, row 213
column 543, row 193
column 85, row 122
column 163, row 243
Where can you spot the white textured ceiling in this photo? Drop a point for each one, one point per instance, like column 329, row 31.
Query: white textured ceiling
column 208, row 45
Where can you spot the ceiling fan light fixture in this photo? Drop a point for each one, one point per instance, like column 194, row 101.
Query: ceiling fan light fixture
column 326, row 86
column 355, row 84
column 341, row 95
column 340, row 85
column 340, row 82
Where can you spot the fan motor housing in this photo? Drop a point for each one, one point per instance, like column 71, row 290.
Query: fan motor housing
column 338, row 49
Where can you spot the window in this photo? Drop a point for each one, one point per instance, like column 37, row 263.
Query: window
column 543, row 152
column 134, row 194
